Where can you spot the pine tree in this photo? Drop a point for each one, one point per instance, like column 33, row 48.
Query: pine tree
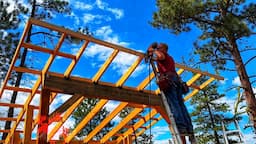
column 82, row 110
column 8, row 37
column 142, row 139
column 208, row 114
column 222, row 23
column 39, row 10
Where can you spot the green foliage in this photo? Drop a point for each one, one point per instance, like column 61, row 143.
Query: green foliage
column 47, row 8
column 208, row 114
column 8, row 38
column 142, row 139
column 9, row 34
column 221, row 23
column 145, row 139
column 82, row 110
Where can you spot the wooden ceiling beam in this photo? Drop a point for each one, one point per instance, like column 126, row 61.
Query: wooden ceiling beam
column 89, row 89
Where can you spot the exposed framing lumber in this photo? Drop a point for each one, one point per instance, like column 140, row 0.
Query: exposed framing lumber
column 28, row 125
column 136, row 97
column 89, row 89
column 43, row 117
column 17, row 105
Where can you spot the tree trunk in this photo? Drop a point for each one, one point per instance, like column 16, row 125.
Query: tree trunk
column 212, row 121
column 245, row 82
column 18, row 80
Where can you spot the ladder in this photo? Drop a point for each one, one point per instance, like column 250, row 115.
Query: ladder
column 233, row 136
column 172, row 126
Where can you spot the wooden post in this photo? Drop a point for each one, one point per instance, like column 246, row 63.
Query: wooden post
column 28, row 125
column 129, row 137
column 43, row 117
column 16, row 138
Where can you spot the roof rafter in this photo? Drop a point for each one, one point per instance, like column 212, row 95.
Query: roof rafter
column 64, row 82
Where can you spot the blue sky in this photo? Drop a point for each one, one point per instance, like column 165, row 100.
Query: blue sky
column 126, row 23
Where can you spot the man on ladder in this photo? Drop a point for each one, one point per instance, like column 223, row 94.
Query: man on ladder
column 170, row 86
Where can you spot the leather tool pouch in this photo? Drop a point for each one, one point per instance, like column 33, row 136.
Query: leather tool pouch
column 184, row 87
column 164, row 82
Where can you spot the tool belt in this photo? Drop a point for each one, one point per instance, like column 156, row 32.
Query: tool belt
column 166, row 81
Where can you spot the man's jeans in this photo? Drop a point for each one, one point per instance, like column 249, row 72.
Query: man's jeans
column 178, row 108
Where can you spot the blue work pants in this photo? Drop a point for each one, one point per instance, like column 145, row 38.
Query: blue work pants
column 178, row 108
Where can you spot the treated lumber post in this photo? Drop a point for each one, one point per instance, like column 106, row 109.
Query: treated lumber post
column 43, row 117
column 16, row 138
column 28, row 125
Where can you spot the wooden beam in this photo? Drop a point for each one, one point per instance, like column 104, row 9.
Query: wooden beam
column 121, row 124
column 8, row 130
column 15, row 57
column 198, row 71
column 148, row 126
column 65, row 106
column 26, row 90
column 105, row 122
column 104, row 67
column 195, row 91
column 27, row 70
column 88, row 89
column 64, row 118
column 138, row 124
column 17, row 105
column 9, row 119
column 74, row 61
column 84, row 37
column 43, row 116
column 146, row 81
column 86, row 119
column 28, row 125
column 75, row 142
column 20, row 116
column 128, row 72
column 46, row 50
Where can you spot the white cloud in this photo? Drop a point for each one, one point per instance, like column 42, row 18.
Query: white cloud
column 223, row 82
column 123, row 61
column 100, row 4
column 89, row 17
column 104, row 32
column 104, row 6
column 82, row 6
column 111, row 105
column 95, row 19
column 250, row 138
column 59, row 99
column 158, row 132
column 117, row 12
column 236, row 81
column 98, row 51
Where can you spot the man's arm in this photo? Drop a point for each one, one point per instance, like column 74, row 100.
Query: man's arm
column 156, row 54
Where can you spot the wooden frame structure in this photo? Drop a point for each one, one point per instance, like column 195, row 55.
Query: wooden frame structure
column 48, row 84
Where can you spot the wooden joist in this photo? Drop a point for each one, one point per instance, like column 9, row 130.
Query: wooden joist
column 91, row 90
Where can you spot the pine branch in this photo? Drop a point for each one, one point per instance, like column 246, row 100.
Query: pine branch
column 45, row 33
column 252, row 76
column 247, row 49
column 253, row 81
column 228, row 69
column 209, row 22
column 249, row 60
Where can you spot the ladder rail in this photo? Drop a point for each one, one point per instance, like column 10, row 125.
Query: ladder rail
column 236, row 132
column 172, row 126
